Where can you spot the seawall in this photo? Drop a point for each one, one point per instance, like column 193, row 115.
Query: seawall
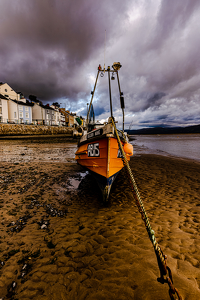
column 22, row 129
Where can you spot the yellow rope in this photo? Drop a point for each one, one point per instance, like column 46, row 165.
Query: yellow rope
column 166, row 275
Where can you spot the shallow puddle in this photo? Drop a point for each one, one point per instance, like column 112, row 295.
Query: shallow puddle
column 74, row 182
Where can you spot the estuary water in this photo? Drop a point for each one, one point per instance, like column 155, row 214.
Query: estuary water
column 179, row 145
column 62, row 150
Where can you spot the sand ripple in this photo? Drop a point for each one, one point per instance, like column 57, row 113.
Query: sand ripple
column 93, row 251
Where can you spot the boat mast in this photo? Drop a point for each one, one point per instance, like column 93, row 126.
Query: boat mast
column 99, row 69
column 111, row 112
column 116, row 67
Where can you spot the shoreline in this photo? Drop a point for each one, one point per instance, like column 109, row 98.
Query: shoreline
column 168, row 155
column 174, row 150
column 36, row 136
column 89, row 251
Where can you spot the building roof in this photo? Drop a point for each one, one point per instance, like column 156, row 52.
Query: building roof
column 44, row 106
column 3, row 97
column 22, row 103
column 47, row 106
column 67, row 112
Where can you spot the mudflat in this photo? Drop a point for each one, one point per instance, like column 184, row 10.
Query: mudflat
column 59, row 241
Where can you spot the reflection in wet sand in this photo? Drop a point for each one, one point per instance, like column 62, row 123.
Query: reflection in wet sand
column 23, row 151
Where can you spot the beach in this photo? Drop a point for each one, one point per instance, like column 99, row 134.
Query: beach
column 59, row 241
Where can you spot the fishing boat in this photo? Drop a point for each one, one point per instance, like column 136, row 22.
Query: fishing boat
column 98, row 148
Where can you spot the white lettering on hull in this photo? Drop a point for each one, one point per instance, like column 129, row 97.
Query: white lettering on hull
column 93, row 150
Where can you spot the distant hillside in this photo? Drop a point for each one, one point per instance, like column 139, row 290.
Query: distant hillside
column 166, row 130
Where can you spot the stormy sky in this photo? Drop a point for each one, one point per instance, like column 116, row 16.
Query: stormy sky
column 52, row 48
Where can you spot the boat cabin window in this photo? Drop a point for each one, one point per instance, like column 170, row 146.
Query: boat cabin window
column 91, row 127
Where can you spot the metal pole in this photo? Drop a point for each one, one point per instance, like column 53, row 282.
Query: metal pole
column 118, row 83
column 92, row 97
column 120, row 96
column 111, row 112
column 123, row 120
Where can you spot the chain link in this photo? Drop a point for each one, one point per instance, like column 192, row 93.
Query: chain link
column 165, row 272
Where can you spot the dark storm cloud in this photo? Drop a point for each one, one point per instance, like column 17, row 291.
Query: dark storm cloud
column 51, row 48
column 172, row 16
column 44, row 44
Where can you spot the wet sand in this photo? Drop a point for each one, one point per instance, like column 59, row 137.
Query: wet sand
column 58, row 241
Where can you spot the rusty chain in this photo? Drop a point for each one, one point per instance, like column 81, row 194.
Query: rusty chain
column 165, row 272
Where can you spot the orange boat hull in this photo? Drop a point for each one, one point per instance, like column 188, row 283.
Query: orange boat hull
column 103, row 158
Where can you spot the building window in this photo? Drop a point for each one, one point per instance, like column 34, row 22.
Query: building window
column 21, row 114
column 0, row 102
column 0, row 110
column 47, row 111
column 26, row 108
column 27, row 115
column 47, row 116
column 6, row 90
column 15, row 115
column 20, row 107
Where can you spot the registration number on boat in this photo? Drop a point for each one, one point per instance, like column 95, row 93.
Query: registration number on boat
column 93, row 150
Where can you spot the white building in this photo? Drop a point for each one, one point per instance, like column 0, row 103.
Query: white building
column 8, row 92
column 62, row 119
column 14, row 108
column 3, row 109
column 39, row 114
column 19, row 112
column 57, row 117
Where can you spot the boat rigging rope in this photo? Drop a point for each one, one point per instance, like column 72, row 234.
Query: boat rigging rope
column 165, row 272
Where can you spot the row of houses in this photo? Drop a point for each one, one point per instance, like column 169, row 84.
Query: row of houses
column 15, row 108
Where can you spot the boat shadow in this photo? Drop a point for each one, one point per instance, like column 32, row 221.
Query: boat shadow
column 90, row 193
